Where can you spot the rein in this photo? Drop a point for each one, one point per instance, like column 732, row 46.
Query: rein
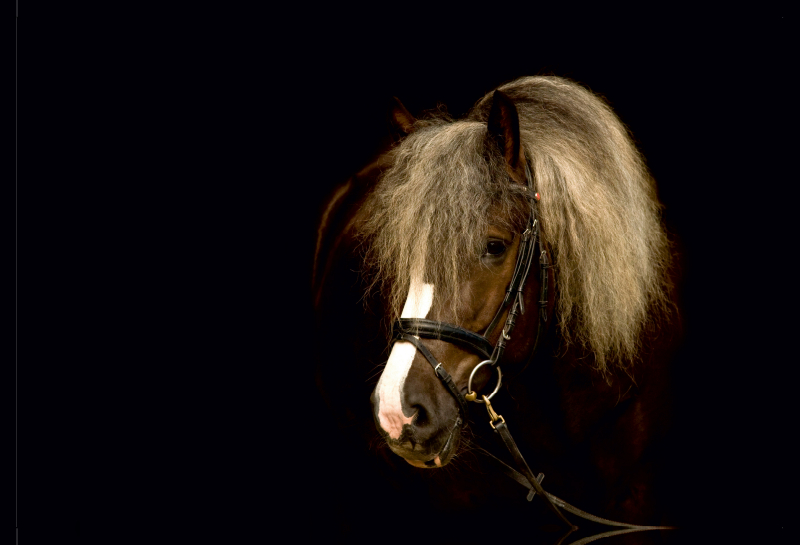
column 412, row 329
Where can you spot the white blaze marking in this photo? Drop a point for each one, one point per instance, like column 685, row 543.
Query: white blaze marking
column 390, row 385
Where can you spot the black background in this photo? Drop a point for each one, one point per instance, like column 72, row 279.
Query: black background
column 170, row 173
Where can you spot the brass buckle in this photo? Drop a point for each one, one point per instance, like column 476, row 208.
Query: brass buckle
column 493, row 416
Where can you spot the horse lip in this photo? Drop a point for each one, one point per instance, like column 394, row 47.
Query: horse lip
column 411, row 456
column 440, row 458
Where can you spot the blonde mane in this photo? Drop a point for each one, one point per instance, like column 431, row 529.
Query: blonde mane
column 600, row 218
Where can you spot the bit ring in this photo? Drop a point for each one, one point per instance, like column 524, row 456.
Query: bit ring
column 472, row 396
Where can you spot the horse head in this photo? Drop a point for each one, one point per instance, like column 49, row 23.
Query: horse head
column 526, row 236
column 479, row 237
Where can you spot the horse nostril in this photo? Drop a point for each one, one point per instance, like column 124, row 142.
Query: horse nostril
column 421, row 418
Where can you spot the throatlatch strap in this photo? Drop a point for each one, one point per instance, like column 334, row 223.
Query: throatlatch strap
column 443, row 375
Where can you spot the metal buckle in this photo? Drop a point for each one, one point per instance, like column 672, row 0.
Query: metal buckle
column 494, row 418
column 473, row 396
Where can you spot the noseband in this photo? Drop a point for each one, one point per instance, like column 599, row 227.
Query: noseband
column 412, row 329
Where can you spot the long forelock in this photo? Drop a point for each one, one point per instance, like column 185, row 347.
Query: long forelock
column 428, row 216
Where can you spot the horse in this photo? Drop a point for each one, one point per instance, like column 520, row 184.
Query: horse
column 507, row 270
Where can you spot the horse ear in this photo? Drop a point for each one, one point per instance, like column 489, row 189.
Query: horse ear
column 503, row 130
column 401, row 120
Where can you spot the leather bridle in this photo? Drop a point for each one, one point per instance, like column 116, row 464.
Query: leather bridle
column 412, row 329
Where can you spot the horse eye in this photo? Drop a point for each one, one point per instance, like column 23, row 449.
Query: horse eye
column 495, row 247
